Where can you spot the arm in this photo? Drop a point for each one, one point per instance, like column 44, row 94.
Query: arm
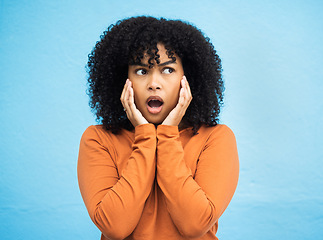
column 195, row 204
column 115, row 203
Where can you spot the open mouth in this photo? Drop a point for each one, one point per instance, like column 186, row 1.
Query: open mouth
column 154, row 104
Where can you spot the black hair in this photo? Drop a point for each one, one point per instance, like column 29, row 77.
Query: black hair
column 127, row 41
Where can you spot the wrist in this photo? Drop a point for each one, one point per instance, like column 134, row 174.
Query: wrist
column 169, row 129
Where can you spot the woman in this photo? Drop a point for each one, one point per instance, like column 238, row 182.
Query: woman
column 159, row 166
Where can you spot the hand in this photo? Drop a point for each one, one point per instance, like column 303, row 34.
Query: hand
column 185, row 97
column 127, row 100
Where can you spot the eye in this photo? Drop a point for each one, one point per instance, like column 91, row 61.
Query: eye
column 168, row 70
column 141, row 71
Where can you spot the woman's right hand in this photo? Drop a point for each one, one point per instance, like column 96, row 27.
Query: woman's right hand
column 129, row 106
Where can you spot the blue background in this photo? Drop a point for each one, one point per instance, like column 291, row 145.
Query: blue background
column 272, row 53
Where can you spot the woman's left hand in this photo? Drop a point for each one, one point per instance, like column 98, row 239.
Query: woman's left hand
column 185, row 97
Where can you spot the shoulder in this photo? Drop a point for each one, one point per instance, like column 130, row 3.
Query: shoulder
column 220, row 130
column 100, row 131
column 219, row 134
column 95, row 132
column 99, row 134
column 96, row 138
column 105, row 137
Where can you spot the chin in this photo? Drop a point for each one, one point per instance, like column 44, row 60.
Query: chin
column 155, row 121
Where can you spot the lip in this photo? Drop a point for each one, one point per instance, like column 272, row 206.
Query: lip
column 154, row 110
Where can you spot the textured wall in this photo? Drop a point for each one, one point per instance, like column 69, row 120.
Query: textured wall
column 272, row 56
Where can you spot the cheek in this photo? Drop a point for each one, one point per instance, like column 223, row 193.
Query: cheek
column 137, row 95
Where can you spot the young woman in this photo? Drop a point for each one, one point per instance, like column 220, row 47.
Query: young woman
column 159, row 166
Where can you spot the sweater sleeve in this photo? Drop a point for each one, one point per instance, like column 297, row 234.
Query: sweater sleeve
column 114, row 202
column 195, row 204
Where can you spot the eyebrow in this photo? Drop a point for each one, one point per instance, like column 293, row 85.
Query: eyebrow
column 161, row 64
column 168, row 62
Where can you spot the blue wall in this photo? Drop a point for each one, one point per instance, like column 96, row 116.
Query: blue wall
column 272, row 54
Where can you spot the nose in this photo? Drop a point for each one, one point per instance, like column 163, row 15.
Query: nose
column 154, row 82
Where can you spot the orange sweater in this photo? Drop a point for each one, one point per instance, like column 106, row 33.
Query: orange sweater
column 157, row 183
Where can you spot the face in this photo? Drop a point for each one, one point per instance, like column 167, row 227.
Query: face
column 156, row 89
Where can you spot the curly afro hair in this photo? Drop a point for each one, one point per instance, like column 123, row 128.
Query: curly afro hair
column 127, row 41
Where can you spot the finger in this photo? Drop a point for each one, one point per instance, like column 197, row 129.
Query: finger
column 125, row 95
column 122, row 97
column 126, row 101
column 188, row 88
column 188, row 96
column 124, row 88
column 132, row 104
column 131, row 94
column 129, row 102
column 181, row 99
column 185, row 91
